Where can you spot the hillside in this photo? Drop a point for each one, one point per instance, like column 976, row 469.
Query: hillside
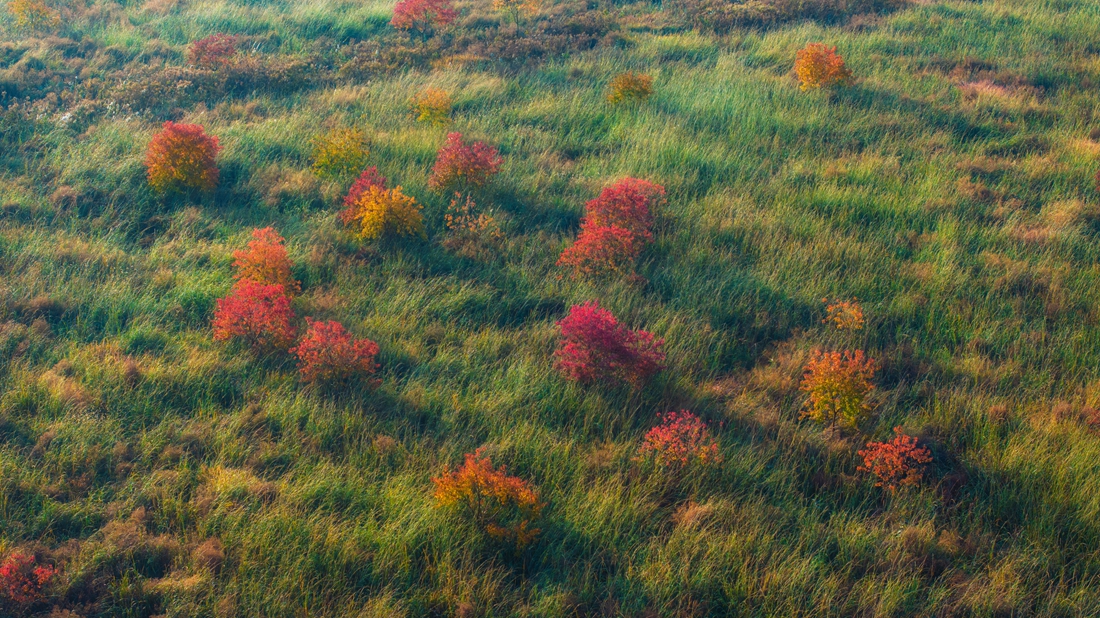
column 938, row 211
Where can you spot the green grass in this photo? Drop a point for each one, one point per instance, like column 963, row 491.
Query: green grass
column 981, row 304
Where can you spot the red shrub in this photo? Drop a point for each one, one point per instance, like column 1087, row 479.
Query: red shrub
column 615, row 229
column 601, row 250
column 22, row 579
column 265, row 261
column 463, row 165
column 257, row 313
column 422, row 15
column 596, row 347
column 213, row 52
column 626, row 204
column 502, row 505
column 182, row 156
column 369, row 178
column 681, row 438
column 897, row 463
column 329, row 353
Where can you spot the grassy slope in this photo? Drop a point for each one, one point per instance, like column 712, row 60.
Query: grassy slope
column 982, row 309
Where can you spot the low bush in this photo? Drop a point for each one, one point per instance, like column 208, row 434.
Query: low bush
column 33, row 15
column 23, row 580
column 461, row 165
column 596, row 347
column 422, row 16
column 432, row 106
column 471, row 233
column 212, row 52
column 630, row 86
column 897, row 463
column 256, row 313
column 379, row 212
column 600, row 251
column 265, row 261
column 505, row 507
column 838, row 384
column 680, row 440
column 616, row 227
column 182, row 156
column 367, row 179
column 329, row 353
column 844, row 314
column 818, row 66
column 340, row 154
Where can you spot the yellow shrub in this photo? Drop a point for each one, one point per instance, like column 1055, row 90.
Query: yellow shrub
column 380, row 211
column 630, row 86
column 340, row 154
column 33, row 14
column 433, row 105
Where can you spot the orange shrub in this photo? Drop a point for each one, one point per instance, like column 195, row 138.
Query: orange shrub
column 33, row 15
column 340, row 154
column 630, row 86
column 838, row 385
column 897, row 463
column 265, row 261
column 845, row 314
column 818, row 66
column 472, row 233
column 379, row 211
column 432, row 106
column 503, row 506
column 181, row 157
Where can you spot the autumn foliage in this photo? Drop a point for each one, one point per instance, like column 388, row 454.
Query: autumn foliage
column 422, row 16
column 818, row 66
column 616, row 227
column 844, row 314
column 432, row 106
column 503, row 506
column 22, row 579
column 897, row 463
column 340, row 154
column 182, row 156
column 265, row 261
column 838, row 384
column 378, row 211
column 256, row 313
column 595, row 346
column 212, row 52
column 33, row 14
column 630, row 86
column 329, row 353
column 464, row 165
column 681, row 439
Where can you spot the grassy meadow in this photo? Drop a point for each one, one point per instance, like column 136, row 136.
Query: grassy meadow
column 950, row 189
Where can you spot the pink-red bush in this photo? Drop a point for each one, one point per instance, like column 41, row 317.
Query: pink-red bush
column 329, row 353
column 265, row 261
column 616, row 227
column 422, row 15
column 626, row 204
column 897, row 463
column 464, row 165
column 681, row 439
column 256, row 313
column 213, row 51
column 22, row 579
column 594, row 346
column 182, row 156
column 602, row 250
column 369, row 178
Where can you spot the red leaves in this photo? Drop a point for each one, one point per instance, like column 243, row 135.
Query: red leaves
column 329, row 353
column 596, row 347
column 22, row 579
column 504, row 506
column 256, row 313
column 265, row 261
column 422, row 15
column 897, row 463
column 462, row 165
column 369, row 178
column 213, row 51
column 615, row 229
column 181, row 157
column 681, row 439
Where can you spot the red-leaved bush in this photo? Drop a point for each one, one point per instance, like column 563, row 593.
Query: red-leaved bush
column 265, row 261
column 616, row 227
column 897, row 463
column 182, row 156
column 22, row 579
column 369, row 178
column 256, row 313
column 422, row 15
column 464, row 165
column 681, row 439
column 213, row 51
column 594, row 346
column 329, row 353
column 504, row 506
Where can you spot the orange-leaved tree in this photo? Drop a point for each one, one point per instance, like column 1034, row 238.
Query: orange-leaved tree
column 378, row 211
column 182, row 156
column 630, row 86
column 432, row 106
column 506, row 507
column 844, row 314
column 897, row 463
column 838, row 384
column 265, row 261
column 33, row 15
column 819, row 66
